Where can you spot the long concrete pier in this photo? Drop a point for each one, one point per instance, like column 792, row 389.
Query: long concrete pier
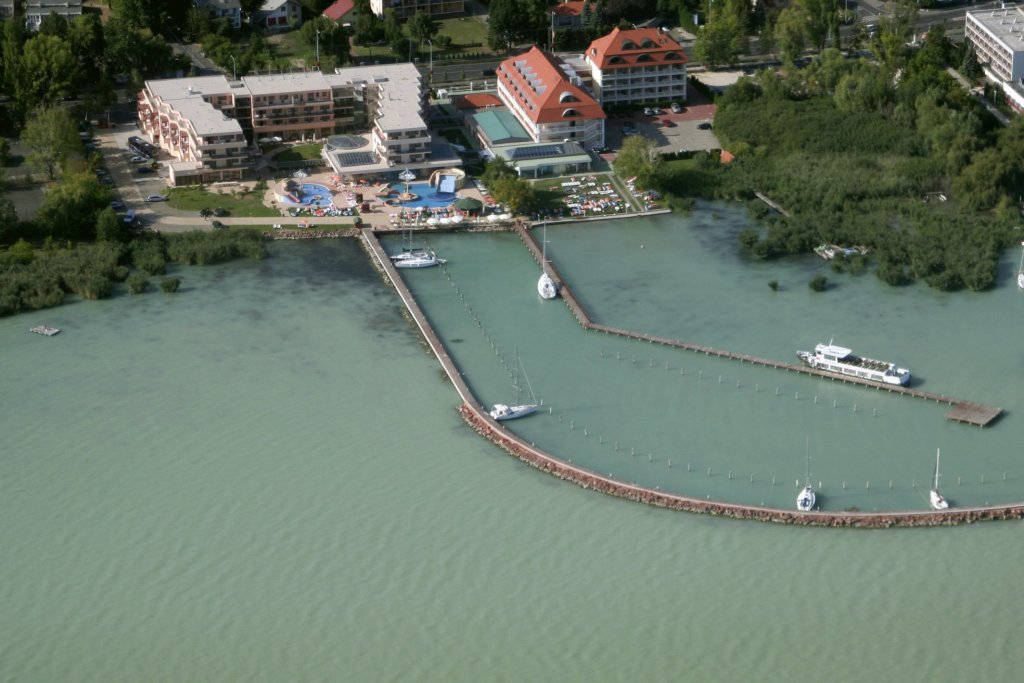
column 962, row 411
column 479, row 419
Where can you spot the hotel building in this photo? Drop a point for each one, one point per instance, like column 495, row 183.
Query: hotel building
column 997, row 36
column 548, row 99
column 637, row 66
column 209, row 124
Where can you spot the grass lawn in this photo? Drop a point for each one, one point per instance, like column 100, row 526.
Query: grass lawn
column 195, row 198
column 300, row 153
column 467, row 34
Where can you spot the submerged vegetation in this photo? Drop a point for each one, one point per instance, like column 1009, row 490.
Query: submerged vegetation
column 891, row 153
column 33, row 279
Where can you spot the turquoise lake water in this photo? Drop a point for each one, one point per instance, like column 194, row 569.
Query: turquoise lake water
column 264, row 477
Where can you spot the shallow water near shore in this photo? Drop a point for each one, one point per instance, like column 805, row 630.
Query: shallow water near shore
column 264, row 477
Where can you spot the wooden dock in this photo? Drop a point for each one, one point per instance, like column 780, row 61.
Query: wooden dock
column 963, row 411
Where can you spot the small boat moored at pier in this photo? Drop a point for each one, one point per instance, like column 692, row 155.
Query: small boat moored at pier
column 935, row 497
column 841, row 361
column 45, row 330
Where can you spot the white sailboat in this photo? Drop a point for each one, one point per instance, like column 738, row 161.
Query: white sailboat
column 1020, row 268
column 502, row 412
column 805, row 499
column 546, row 286
column 415, row 258
column 935, row 498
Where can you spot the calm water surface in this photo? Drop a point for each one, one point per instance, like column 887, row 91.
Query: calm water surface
column 264, row 478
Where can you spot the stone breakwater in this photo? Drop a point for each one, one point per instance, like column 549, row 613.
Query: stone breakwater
column 589, row 480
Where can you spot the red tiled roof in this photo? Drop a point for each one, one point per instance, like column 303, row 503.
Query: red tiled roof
column 477, row 101
column 627, row 46
column 570, row 8
column 546, row 96
column 338, row 9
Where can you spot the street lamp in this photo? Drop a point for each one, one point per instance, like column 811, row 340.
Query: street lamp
column 430, row 69
column 317, row 48
column 234, row 69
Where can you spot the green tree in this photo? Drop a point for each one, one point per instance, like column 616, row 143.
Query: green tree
column 54, row 24
column 421, row 27
column 8, row 219
column 110, row 227
column 48, row 69
column 495, row 169
column 50, row 135
column 789, row 33
column 638, row 158
column 503, row 24
column 516, row 194
column 13, row 44
column 70, row 207
column 724, row 37
column 85, row 38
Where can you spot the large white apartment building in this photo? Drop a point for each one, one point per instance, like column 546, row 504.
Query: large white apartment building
column 406, row 8
column 207, row 124
column 548, row 100
column 637, row 66
column 37, row 10
column 997, row 36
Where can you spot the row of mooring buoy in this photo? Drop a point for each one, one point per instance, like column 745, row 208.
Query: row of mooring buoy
column 739, row 384
column 709, row 471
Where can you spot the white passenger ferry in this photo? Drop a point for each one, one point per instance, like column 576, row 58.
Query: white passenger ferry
column 841, row 361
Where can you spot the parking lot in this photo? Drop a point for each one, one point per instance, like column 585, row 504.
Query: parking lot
column 671, row 132
column 130, row 186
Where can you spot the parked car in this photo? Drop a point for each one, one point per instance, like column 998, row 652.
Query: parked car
column 488, row 72
column 648, row 111
column 129, row 216
column 117, row 206
column 219, row 212
column 156, row 198
column 218, row 225
column 105, row 180
column 668, row 123
column 704, row 125
column 139, row 159
column 141, row 170
column 677, row 108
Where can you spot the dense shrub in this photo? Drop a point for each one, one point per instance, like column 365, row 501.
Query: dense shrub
column 206, row 248
column 170, row 284
column 137, row 284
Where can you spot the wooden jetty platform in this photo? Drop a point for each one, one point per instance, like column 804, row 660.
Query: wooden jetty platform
column 967, row 412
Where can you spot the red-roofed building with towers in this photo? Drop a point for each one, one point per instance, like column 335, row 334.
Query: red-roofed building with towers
column 635, row 66
column 549, row 100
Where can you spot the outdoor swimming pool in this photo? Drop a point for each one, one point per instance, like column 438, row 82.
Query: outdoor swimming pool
column 308, row 194
column 428, row 196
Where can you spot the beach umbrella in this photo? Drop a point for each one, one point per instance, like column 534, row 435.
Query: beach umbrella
column 468, row 204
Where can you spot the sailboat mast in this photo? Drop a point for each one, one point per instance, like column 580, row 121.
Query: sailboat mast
column 938, row 451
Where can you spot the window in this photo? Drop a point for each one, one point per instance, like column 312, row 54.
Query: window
column 644, row 58
column 567, row 97
column 616, row 60
column 628, row 45
column 569, row 112
column 671, row 56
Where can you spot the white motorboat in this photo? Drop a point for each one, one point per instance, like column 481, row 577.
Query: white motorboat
column 805, row 499
column 501, row 411
column 45, row 330
column 841, row 361
column 935, row 498
column 546, row 286
column 1020, row 268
